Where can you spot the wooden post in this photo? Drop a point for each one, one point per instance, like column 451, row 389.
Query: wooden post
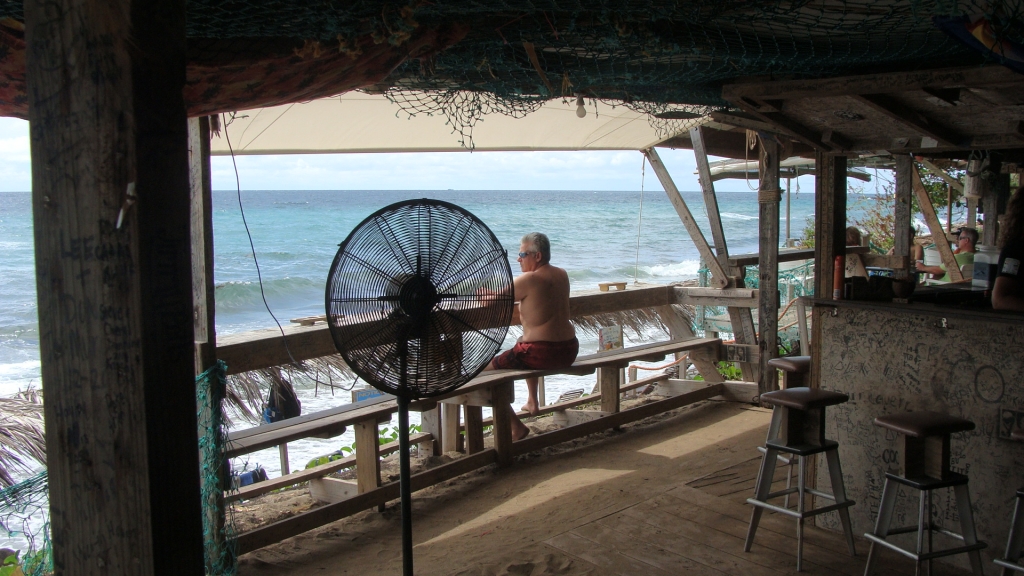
column 475, row 428
column 502, row 429
column 718, row 277
column 990, row 201
column 768, row 197
column 904, row 173
column 367, row 455
column 203, row 316
column 829, row 241
column 108, row 126
column 608, row 382
column 829, row 219
column 450, row 437
column 430, row 422
column 938, row 236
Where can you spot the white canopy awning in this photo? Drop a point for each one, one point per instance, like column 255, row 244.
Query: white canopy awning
column 358, row 122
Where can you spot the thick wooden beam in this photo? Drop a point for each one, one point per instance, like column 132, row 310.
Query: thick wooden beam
column 707, row 186
column 889, row 82
column 935, row 227
column 771, row 115
column 910, row 118
column 990, row 203
column 110, row 142
column 942, row 174
column 740, row 120
column 829, row 220
column 204, row 330
column 768, row 197
column 718, row 276
column 904, row 167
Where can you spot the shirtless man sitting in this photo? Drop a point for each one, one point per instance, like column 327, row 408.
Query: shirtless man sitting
column 549, row 339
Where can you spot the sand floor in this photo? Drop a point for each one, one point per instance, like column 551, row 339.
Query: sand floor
column 663, row 496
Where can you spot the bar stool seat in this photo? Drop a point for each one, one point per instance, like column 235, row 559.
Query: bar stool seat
column 794, row 370
column 924, row 466
column 798, row 428
column 1015, row 542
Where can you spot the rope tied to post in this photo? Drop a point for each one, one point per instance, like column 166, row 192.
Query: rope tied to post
column 769, row 195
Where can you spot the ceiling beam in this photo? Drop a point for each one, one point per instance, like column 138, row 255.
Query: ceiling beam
column 769, row 112
column 969, row 77
column 742, row 120
column 909, row 118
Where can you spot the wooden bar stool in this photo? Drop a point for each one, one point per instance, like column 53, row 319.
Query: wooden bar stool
column 924, row 466
column 1011, row 562
column 798, row 429
column 794, row 370
column 794, row 375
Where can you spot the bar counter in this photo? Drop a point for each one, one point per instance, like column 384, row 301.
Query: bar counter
column 962, row 360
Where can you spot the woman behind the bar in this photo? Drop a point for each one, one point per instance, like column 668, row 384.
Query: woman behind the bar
column 1008, row 291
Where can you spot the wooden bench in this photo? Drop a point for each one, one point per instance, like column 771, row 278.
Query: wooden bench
column 494, row 388
column 440, row 420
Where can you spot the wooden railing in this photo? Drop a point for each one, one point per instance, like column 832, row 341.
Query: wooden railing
column 440, row 417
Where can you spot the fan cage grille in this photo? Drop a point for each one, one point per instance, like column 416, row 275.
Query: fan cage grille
column 409, row 279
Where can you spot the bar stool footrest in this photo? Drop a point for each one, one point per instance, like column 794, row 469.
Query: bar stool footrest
column 1008, row 564
column 803, row 449
column 928, row 555
column 806, row 513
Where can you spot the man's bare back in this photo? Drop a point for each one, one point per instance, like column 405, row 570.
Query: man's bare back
column 543, row 296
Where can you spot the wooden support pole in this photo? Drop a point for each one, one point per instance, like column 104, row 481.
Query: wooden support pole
column 430, row 422
column 608, row 383
column 108, row 127
column 829, row 241
column 475, row 428
column 768, row 197
column 938, row 236
column 451, row 439
column 367, row 455
column 904, row 169
column 718, row 276
column 203, row 316
column 990, row 203
column 502, row 429
column 707, row 186
column 829, row 219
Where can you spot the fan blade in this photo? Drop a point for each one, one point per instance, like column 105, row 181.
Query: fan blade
column 390, row 233
column 447, row 283
column 471, row 328
column 383, row 274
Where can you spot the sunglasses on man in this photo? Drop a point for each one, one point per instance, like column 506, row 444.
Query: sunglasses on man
column 525, row 254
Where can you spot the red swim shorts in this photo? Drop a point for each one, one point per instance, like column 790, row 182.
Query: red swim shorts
column 538, row 355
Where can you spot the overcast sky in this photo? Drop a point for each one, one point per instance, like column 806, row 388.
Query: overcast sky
column 601, row 170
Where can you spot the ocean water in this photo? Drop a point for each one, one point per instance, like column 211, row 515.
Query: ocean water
column 594, row 236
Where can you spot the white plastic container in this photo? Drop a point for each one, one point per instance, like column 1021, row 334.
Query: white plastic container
column 931, row 256
column 986, row 260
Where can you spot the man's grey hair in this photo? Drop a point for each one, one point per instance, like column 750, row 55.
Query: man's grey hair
column 540, row 243
column 970, row 233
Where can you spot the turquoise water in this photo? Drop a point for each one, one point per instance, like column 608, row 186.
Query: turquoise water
column 296, row 235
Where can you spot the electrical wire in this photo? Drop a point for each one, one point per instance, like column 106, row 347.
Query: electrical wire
column 259, row 276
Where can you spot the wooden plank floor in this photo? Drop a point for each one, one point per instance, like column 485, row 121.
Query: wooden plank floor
column 699, row 528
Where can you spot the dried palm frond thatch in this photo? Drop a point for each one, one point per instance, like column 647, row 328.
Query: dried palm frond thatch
column 22, row 440
column 639, row 321
column 247, row 392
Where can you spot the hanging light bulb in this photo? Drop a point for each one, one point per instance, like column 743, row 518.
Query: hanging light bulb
column 581, row 110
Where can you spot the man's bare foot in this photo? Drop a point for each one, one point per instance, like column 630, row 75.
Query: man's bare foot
column 520, row 432
column 531, row 407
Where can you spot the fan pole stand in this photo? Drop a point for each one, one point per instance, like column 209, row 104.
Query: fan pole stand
column 404, row 484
